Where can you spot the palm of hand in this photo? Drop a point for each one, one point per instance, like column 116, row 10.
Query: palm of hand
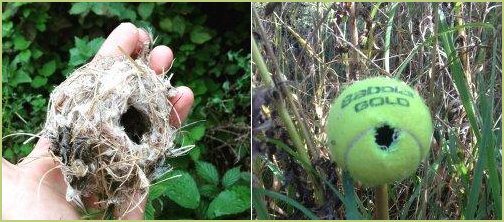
column 27, row 185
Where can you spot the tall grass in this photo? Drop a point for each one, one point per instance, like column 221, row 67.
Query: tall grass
column 449, row 52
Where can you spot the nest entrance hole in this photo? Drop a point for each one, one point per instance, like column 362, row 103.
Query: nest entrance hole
column 385, row 136
column 135, row 123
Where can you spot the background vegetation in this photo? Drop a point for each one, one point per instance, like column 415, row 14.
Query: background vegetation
column 44, row 42
column 450, row 52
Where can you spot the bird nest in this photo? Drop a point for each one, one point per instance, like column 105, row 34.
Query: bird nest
column 109, row 126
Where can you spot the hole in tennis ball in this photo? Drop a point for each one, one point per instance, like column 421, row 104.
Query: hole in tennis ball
column 385, row 136
column 135, row 124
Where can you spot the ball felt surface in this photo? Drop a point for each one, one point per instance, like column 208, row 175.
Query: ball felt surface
column 379, row 129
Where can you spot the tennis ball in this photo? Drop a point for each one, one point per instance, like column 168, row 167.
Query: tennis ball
column 379, row 130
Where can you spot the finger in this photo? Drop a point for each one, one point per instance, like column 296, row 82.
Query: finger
column 124, row 36
column 143, row 41
column 39, row 155
column 40, row 165
column 182, row 103
column 161, row 59
column 41, row 148
column 7, row 166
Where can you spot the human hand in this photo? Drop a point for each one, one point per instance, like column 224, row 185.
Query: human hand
column 35, row 189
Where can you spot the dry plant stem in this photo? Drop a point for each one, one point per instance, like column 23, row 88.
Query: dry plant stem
column 341, row 37
column 307, row 47
column 311, row 146
column 371, row 39
column 459, row 13
column 318, row 101
column 317, row 28
column 354, row 37
column 433, row 73
column 287, row 121
column 279, row 80
column 381, row 202
column 434, row 70
column 390, row 22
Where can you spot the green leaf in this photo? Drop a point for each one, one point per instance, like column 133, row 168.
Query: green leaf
column 48, row 68
column 80, row 44
column 39, row 103
column 83, row 50
column 145, row 9
column 166, row 24
column 41, row 26
column 287, row 200
column 187, row 140
column 225, row 86
column 245, row 176
column 200, row 20
column 80, row 7
column 95, row 44
column 24, row 56
column 209, row 190
column 38, row 81
column 157, row 190
column 20, row 77
column 149, row 211
column 25, row 149
column 228, row 202
column 7, row 28
column 197, row 132
column 120, row 10
column 6, row 70
column 195, row 153
column 200, row 70
column 20, row 42
column 180, row 25
column 260, row 206
column 200, row 35
column 26, row 12
column 8, row 12
column 36, row 53
column 99, row 8
column 187, row 47
column 207, row 172
column 230, row 177
column 199, row 87
column 76, row 58
column 8, row 154
column 183, row 190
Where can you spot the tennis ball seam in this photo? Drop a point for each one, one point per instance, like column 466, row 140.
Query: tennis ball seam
column 365, row 132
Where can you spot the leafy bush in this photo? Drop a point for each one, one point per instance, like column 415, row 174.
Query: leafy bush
column 44, row 42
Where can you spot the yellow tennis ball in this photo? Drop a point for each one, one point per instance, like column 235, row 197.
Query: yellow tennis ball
column 379, row 130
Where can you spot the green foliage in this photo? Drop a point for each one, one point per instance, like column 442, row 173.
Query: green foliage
column 232, row 201
column 231, row 177
column 230, row 197
column 83, row 51
column 183, row 190
column 207, row 172
column 44, row 42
